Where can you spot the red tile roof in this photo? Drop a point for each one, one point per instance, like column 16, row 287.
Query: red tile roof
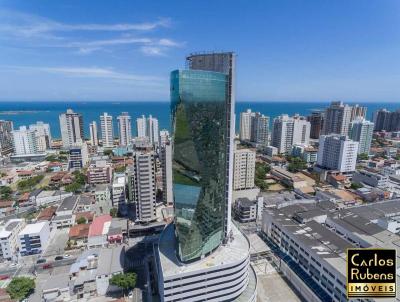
column 97, row 226
column 79, row 231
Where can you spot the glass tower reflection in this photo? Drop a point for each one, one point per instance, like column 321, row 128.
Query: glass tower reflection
column 201, row 115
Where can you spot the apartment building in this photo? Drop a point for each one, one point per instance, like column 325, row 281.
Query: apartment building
column 244, row 169
column 9, row 238
column 34, row 238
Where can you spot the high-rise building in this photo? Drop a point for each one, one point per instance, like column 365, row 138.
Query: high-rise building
column 337, row 152
column 6, row 140
column 164, row 137
column 202, row 106
column 94, row 138
column 166, row 162
column 43, row 136
column 107, row 132
column 316, row 120
column 245, row 125
column 78, row 157
column 244, row 167
column 24, row 141
column 358, row 112
column 125, row 129
column 142, row 185
column 119, row 192
column 361, row 131
column 152, row 130
column 337, row 119
column 288, row 131
column 141, row 126
column 385, row 120
column 71, row 125
column 259, row 129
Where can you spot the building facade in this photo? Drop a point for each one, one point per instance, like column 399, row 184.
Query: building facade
column 34, row 238
column 24, row 141
column 337, row 119
column 43, row 135
column 361, row 131
column 6, row 140
column 94, row 137
column 244, row 166
column 125, row 129
column 71, row 126
column 166, row 162
column 337, row 152
column 107, row 132
column 316, row 120
column 152, row 130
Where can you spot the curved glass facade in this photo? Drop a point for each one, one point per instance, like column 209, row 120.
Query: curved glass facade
column 199, row 122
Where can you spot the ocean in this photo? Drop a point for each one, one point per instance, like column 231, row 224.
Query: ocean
column 26, row 113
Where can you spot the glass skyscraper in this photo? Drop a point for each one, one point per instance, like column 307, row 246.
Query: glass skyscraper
column 202, row 103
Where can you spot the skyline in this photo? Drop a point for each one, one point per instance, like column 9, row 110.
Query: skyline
column 291, row 50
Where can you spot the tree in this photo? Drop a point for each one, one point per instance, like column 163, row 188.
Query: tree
column 5, row 192
column 124, row 281
column 28, row 184
column 81, row 220
column 20, row 287
column 296, row 164
column 113, row 212
column 355, row 186
column 74, row 187
column 260, row 175
column 108, row 152
column 120, row 169
column 362, row 156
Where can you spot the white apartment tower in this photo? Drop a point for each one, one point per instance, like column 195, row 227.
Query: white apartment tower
column 152, row 130
column 166, row 162
column 244, row 169
column 107, row 133
column 141, row 126
column 245, row 125
column 71, row 125
column 337, row 118
column 164, row 137
column 125, row 129
column 94, row 138
column 337, row 152
column 142, row 186
column 43, row 135
column 24, row 141
column 259, row 129
column 288, row 131
column 361, row 131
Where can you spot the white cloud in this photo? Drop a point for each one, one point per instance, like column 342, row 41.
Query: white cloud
column 152, row 51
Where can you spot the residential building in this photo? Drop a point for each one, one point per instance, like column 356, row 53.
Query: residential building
column 244, row 166
column 24, row 141
column 271, row 151
column 125, row 129
column 71, row 125
column 166, row 162
column 6, row 140
column 142, row 185
column 102, row 196
column 337, row 118
column 164, row 137
column 94, row 137
column 9, row 238
column 361, row 131
column 64, row 214
column 45, row 197
column 43, row 136
column 245, row 210
column 370, row 178
column 316, row 120
column 259, row 129
column 337, row 152
column 107, row 132
column 358, row 112
column 306, row 153
column 385, row 120
column 99, row 172
column 288, row 131
column 118, row 191
column 34, row 238
column 98, row 231
column 78, row 157
column 203, row 184
column 141, row 126
column 245, row 125
column 152, row 130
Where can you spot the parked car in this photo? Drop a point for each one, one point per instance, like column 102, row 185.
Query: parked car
column 41, row 260
column 57, row 258
column 47, row 266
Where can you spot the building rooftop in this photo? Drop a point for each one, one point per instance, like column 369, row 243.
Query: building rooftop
column 68, row 204
column 111, row 260
column 55, row 282
column 79, row 231
column 33, row 228
column 100, row 225
column 233, row 251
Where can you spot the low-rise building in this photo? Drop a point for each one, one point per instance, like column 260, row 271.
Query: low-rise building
column 44, row 197
column 245, row 209
column 9, row 238
column 98, row 231
column 64, row 213
column 288, row 178
column 79, row 234
column 99, row 172
column 119, row 190
column 370, row 178
column 34, row 238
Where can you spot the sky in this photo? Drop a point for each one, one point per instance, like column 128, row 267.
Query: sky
column 287, row 50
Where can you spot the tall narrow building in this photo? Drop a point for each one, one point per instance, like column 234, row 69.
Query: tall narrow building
column 361, row 131
column 244, row 169
column 94, row 138
column 141, row 126
column 152, row 130
column 316, row 120
column 166, row 163
column 125, row 129
column 71, row 125
column 259, row 129
column 6, row 140
column 358, row 112
column 43, row 135
column 107, row 132
column 202, row 107
column 24, row 141
column 245, row 125
column 337, row 119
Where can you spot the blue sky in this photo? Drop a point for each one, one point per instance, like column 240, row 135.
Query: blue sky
column 297, row 50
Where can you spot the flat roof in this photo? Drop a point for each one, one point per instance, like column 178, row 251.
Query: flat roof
column 68, row 204
column 33, row 228
column 233, row 251
column 111, row 260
